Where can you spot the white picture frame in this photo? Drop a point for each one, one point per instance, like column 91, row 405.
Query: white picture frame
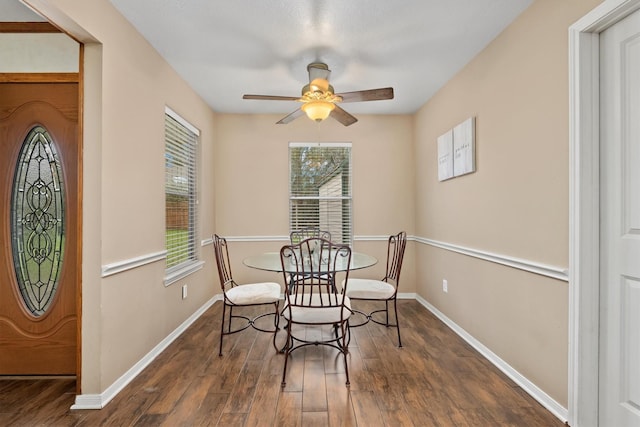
column 445, row 156
column 464, row 136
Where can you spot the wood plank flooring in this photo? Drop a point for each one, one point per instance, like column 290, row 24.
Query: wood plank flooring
column 436, row 379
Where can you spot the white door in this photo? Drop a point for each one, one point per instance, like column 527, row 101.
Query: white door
column 619, row 376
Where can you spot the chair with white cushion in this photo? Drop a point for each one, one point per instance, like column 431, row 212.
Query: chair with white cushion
column 385, row 289
column 312, row 299
column 235, row 295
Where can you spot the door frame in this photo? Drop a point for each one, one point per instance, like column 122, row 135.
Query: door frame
column 584, row 207
column 61, row 77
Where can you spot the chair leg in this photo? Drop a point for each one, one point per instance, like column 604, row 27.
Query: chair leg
column 276, row 324
column 224, row 309
column 344, row 350
column 287, row 351
column 395, row 309
column 230, row 319
column 386, row 311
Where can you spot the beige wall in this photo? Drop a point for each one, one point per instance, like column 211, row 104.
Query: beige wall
column 128, row 86
column 252, row 173
column 516, row 203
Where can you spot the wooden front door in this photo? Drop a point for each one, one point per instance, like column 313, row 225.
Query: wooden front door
column 38, row 228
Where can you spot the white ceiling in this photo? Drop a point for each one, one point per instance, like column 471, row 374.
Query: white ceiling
column 15, row 11
column 225, row 49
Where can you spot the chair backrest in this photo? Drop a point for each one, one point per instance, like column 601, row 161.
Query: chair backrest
column 395, row 255
column 301, row 234
column 222, row 260
column 310, row 269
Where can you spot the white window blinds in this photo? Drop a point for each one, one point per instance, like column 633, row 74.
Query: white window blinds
column 320, row 188
column 181, row 140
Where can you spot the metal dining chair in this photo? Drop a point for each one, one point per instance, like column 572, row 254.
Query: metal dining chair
column 311, row 299
column 245, row 295
column 304, row 233
column 384, row 290
column 297, row 236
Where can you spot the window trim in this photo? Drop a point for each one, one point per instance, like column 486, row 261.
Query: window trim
column 185, row 268
column 333, row 144
column 181, row 271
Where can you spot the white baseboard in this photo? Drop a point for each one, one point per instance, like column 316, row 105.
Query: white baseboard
column 98, row 401
column 543, row 398
column 407, row 295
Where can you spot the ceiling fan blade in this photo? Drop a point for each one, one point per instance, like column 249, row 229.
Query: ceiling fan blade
column 367, row 95
column 271, row 97
column 291, row 117
column 342, row 116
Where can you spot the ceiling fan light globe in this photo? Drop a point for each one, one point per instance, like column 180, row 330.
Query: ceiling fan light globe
column 318, row 110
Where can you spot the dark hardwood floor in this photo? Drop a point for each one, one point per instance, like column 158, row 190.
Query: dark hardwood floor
column 436, row 379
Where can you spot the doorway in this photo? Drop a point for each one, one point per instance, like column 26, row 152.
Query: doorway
column 588, row 295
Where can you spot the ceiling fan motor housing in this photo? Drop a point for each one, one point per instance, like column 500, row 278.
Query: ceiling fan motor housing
column 318, row 70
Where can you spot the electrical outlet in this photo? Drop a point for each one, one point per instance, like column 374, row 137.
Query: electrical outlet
column 445, row 285
column 184, row 291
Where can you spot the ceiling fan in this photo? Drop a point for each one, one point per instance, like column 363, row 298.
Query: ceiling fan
column 319, row 100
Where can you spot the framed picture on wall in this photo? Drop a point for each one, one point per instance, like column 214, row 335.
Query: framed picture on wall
column 464, row 136
column 445, row 156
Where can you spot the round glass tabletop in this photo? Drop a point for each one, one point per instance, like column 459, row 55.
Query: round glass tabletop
column 270, row 261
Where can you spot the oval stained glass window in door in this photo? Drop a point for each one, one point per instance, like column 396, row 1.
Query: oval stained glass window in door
column 37, row 221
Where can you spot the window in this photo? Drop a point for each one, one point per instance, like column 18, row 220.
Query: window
column 320, row 188
column 181, row 140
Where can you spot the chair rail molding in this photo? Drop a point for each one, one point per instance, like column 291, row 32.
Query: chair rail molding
column 139, row 261
column 257, row 238
column 360, row 238
column 131, row 263
column 554, row 272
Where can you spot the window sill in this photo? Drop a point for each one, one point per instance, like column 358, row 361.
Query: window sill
column 182, row 272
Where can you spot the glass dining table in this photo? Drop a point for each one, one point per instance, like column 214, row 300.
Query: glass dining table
column 270, row 261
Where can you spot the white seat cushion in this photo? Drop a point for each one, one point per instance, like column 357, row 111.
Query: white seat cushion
column 318, row 315
column 369, row 289
column 254, row 293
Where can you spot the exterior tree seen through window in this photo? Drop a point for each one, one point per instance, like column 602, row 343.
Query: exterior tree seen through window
column 320, row 188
